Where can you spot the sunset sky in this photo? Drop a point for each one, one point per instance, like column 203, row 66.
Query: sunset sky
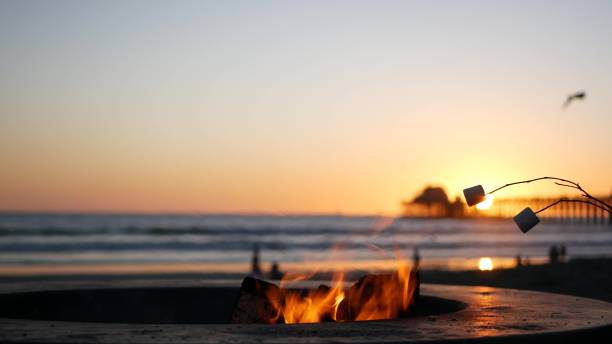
column 297, row 107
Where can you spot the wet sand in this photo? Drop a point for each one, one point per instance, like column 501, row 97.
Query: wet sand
column 590, row 278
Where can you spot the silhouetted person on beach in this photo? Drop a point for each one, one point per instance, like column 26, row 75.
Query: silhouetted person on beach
column 275, row 273
column 576, row 96
column 562, row 253
column 416, row 258
column 255, row 269
column 518, row 261
column 553, row 255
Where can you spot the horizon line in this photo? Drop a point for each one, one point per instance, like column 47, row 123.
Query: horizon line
column 203, row 213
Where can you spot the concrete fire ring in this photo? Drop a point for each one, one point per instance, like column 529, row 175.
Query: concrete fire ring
column 491, row 314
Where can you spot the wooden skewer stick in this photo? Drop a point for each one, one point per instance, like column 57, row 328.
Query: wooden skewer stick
column 567, row 183
column 573, row 200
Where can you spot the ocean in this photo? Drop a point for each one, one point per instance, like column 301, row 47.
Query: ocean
column 48, row 243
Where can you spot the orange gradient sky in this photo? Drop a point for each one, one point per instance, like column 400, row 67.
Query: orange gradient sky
column 316, row 107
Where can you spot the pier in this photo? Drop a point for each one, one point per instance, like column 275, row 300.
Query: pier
column 433, row 203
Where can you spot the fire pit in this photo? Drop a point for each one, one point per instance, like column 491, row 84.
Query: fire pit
column 183, row 311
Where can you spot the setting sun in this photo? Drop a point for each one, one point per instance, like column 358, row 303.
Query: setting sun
column 485, row 264
column 486, row 204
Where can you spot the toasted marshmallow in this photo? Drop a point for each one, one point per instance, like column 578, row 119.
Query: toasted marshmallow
column 526, row 220
column 474, row 195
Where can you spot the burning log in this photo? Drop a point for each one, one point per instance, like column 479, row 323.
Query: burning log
column 386, row 296
column 372, row 297
column 257, row 303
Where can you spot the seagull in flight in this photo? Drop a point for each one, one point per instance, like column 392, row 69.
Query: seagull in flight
column 578, row 95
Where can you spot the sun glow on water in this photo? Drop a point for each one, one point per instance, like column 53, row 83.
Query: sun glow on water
column 485, row 264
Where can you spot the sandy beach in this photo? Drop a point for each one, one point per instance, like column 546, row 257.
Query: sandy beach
column 580, row 277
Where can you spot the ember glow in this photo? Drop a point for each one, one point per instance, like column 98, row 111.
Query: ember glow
column 373, row 297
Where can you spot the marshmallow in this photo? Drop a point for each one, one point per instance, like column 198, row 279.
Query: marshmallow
column 474, row 195
column 526, row 220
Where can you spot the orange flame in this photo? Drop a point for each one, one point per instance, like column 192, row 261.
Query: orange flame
column 387, row 296
column 317, row 305
column 373, row 297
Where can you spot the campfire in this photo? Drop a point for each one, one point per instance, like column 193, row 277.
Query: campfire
column 173, row 311
column 372, row 297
